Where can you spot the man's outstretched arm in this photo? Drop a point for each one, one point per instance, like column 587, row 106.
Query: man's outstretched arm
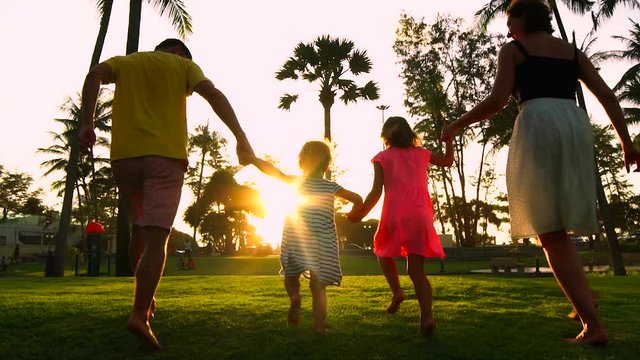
column 221, row 106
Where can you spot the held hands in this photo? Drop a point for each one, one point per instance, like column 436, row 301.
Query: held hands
column 245, row 153
column 448, row 132
column 86, row 137
column 631, row 157
column 356, row 213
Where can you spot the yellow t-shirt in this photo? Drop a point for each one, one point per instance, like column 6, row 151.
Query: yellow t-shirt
column 150, row 104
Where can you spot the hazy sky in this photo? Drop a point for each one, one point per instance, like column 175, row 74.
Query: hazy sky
column 47, row 46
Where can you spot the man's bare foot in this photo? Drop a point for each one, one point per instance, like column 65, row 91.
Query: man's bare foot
column 396, row 300
column 142, row 331
column 594, row 338
column 293, row 317
column 427, row 327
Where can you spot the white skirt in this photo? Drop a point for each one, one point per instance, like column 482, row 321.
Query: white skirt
column 551, row 173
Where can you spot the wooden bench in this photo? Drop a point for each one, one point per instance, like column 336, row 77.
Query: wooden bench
column 504, row 263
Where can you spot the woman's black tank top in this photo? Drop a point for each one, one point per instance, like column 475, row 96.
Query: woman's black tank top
column 541, row 76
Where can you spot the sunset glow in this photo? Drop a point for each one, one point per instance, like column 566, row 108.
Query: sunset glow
column 279, row 200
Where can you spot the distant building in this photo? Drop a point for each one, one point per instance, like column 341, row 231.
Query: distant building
column 34, row 234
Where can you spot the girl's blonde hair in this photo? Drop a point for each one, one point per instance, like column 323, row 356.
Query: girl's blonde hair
column 315, row 156
column 396, row 132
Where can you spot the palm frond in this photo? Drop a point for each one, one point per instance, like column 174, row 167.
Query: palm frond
column 633, row 116
column 307, row 54
column 370, row 91
column 180, row 18
column 350, row 94
column 100, row 6
column 580, row 7
column 286, row 100
column 607, row 7
column 489, row 11
column 289, row 70
column 628, row 79
column 359, row 62
column 343, row 84
column 311, row 77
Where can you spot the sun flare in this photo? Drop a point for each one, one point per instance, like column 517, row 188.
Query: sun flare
column 279, row 200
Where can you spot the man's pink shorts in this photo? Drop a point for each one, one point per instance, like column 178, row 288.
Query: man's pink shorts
column 151, row 187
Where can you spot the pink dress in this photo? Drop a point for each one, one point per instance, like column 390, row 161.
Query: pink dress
column 406, row 225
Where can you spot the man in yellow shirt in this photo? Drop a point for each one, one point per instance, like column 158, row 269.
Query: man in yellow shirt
column 149, row 152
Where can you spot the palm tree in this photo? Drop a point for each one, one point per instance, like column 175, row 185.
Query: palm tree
column 104, row 9
column 605, row 10
column 209, row 144
column 65, row 144
column 326, row 61
column 628, row 87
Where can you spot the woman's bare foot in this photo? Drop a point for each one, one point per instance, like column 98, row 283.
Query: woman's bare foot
column 394, row 306
column 594, row 338
column 142, row 331
column 427, row 327
column 573, row 314
column 152, row 309
column 293, row 317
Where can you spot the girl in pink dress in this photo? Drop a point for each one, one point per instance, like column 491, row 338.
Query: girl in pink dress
column 406, row 224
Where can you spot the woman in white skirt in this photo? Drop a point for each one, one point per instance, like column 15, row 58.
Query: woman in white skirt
column 551, row 175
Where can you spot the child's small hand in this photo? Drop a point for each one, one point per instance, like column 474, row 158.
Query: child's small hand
column 354, row 218
column 355, row 215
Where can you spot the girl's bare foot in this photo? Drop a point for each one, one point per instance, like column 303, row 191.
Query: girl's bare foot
column 396, row 300
column 142, row 331
column 293, row 317
column 427, row 327
column 594, row 338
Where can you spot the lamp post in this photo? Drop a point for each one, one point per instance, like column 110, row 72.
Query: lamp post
column 382, row 108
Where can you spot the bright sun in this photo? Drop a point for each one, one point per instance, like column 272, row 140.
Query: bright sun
column 279, row 200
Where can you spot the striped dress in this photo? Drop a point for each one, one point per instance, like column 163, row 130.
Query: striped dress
column 309, row 240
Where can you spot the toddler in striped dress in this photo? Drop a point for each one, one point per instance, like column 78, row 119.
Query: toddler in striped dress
column 309, row 240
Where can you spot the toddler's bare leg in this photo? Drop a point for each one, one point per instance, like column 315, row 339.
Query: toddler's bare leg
column 292, row 285
column 319, row 299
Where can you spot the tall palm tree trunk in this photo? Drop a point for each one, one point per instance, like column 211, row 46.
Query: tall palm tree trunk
column 196, row 220
column 72, row 167
column 133, row 33
column 65, row 214
column 612, row 237
column 123, row 235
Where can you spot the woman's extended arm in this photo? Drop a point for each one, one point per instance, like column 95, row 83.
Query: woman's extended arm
column 592, row 79
column 497, row 99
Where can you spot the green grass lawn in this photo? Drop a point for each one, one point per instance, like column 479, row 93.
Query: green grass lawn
column 244, row 317
column 268, row 265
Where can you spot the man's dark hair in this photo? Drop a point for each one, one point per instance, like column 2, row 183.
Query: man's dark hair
column 535, row 13
column 168, row 43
